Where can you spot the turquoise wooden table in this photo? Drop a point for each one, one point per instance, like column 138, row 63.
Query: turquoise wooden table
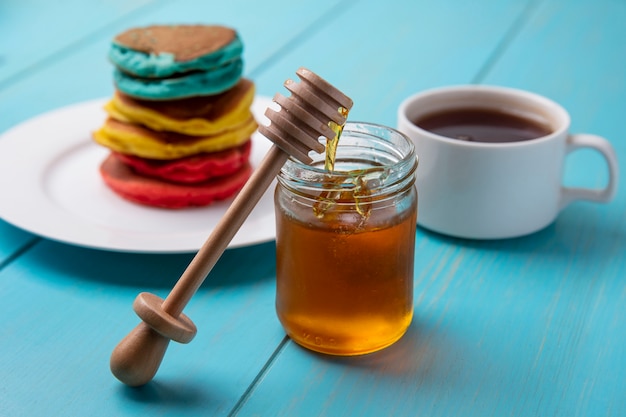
column 534, row 326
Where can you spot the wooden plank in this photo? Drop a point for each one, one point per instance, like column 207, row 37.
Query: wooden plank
column 517, row 327
column 379, row 54
column 66, row 317
column 41, row 34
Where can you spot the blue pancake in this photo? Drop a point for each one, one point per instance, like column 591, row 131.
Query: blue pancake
column 165, row 62
column 158, row 63
column 202, row 83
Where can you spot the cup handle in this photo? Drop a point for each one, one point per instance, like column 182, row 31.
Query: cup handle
column 602, row 195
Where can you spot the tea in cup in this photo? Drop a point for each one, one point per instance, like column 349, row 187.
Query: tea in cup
column 492, row 158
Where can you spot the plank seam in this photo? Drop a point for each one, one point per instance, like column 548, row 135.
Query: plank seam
column 25, row 248
column 507, row 39
column 257, row 380
column 324, row 19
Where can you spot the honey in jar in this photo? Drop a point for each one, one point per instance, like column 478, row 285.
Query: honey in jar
column 345, row 243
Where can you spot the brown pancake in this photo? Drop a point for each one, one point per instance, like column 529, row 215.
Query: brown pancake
column 185, row 42
column 205, row 107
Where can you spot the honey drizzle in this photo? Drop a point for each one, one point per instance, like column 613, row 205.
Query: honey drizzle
column 331, row 144
column 358, row 194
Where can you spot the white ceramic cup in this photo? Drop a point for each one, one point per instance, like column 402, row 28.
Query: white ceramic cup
column 496, row 190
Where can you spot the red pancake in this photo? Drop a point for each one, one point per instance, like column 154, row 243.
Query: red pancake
column 191, row 169
column 158, row 193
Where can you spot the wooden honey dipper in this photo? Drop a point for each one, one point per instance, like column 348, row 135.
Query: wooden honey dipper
column 295, row 130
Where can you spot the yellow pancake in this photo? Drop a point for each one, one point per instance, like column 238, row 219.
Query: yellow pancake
column 195, row 116
column 140, row 141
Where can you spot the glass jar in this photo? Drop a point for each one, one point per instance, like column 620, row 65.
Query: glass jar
column 345, row 242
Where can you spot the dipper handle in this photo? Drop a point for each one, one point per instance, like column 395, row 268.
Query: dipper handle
column 295, row 130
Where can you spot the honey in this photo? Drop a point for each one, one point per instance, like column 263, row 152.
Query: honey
column 331, row 144
column 345, row 244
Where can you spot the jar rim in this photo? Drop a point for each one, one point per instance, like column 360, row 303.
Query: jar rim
column 360, row 128
column 379, row 155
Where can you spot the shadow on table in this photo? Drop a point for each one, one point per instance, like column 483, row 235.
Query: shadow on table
column 430, row 360
column 235, row 267
column 180, row 395
column 582, row 228
column 175, row 395
column 412, row 352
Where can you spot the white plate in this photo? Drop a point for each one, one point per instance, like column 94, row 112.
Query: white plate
column 50, row 185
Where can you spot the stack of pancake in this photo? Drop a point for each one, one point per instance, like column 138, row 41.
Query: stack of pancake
column 180, row 123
